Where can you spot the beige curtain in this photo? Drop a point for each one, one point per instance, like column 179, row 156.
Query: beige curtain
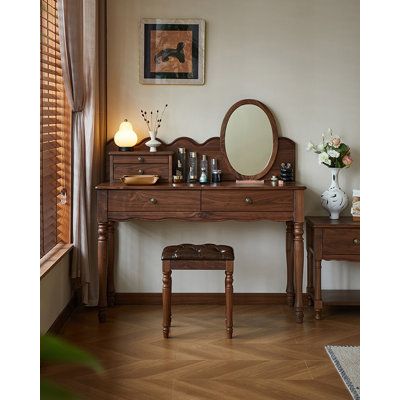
column 79, row 43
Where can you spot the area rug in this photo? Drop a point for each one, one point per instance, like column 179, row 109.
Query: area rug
column 347, row 362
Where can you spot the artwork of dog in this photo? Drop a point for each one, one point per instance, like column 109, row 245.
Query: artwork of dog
column 165, row 54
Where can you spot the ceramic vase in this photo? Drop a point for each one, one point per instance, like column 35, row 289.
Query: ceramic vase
column 334, row 200
column 153, row 143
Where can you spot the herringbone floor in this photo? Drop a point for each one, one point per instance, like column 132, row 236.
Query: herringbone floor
column 270, row 356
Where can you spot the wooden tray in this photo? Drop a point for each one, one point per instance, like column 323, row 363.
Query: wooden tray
column 139, row 180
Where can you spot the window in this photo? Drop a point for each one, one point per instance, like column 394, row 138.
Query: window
column 55, row 136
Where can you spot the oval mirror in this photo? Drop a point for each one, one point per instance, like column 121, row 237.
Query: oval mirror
column 249, row 139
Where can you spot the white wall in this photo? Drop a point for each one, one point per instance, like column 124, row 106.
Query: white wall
column 301, row 58
column 55, row 293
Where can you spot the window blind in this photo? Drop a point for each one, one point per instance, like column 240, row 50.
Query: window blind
column 55, row 136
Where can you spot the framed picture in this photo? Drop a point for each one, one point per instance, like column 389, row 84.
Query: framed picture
column 172, row 51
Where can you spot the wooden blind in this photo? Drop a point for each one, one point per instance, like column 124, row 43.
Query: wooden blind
column 55, row 136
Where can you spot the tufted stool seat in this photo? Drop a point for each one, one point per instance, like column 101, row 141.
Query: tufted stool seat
column 197, row 257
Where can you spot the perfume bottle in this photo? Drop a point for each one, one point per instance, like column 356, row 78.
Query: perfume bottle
column 192, row 176
column 181, row 163
column 203, row 169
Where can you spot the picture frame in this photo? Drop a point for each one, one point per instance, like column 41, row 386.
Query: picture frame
column 172, row 51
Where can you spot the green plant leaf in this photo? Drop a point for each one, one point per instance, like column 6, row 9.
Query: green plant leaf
column 55, row 349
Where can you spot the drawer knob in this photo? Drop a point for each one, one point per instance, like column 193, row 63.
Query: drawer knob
column 153, row 200
column 140, row 172
column 356, row 241
column 140, row 159
column 248, row 200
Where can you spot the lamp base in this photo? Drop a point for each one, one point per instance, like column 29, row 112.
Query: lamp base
column 125, row 148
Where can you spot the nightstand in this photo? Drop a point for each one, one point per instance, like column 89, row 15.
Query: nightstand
column 328, row 239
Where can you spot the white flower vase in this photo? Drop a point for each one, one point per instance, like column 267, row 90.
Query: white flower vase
column 153, row 143
column 334, row 199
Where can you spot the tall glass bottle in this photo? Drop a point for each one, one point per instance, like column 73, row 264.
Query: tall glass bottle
column 203, row 169
column 181, row 163
column 192, row 175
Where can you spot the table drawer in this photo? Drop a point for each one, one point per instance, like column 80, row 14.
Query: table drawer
column 153, row 200
column 341, row 241
column 141, row 159
column 162, row 170
column 247, row 200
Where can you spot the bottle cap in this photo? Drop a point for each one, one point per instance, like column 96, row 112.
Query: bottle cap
column 193, row 154
column 181, row 150
column 204, row 157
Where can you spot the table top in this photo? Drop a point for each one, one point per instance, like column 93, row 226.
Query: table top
column 326, row 222
column 229, row 185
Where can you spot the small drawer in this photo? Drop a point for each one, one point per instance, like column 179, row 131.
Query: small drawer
column 161, row 170
column 153, row 200
column 249, row 200
column 341, row 241
column 140, row 159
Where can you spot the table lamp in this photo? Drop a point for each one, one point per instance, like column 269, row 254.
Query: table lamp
column 125, row 138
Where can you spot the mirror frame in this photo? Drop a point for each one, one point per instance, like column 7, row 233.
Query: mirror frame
column 274, row 138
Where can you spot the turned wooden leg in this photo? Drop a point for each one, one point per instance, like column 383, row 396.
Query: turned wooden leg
column 166, row 296
column 102, row 267
column 298, row 270
column 289, row 263
column 317, row 293
column 110, row 269
column 310, row 285
column 229, row 299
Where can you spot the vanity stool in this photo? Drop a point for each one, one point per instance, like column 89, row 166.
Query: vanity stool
column 197, row 257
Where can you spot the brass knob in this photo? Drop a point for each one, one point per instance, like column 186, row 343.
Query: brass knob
column 356, row 241
column 153, row 200
column 140, row 159
column 140, row 172
column 248, row 200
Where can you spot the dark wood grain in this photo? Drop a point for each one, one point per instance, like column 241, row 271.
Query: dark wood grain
column 272, row 121
column 329, row 240
column 289, row 263
column 286, row 152
column 247, row 200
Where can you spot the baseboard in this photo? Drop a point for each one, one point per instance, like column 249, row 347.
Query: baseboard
column 60, row 321
column 201, row 298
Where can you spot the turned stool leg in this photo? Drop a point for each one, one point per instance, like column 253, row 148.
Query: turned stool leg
column 229, row 298
column 166, row 297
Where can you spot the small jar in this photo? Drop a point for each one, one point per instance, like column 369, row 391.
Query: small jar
column 216, row 176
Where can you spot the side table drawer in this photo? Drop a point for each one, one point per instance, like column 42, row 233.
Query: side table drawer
column 341, row 241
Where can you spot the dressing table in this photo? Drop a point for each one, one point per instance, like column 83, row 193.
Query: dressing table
column 232, row 199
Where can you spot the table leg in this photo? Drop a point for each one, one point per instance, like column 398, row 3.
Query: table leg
column 166, row 297
column 317, row 297
column 298, row 270
column 102, row 268
column 229, row 298
column 289, row 263
column 110, row 268
column 310, row 284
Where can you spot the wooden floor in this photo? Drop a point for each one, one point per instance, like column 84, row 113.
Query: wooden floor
column 270, row 356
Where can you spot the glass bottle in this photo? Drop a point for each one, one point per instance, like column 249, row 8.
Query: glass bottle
column 181, row 163
column 203, row 170
column 192, row 176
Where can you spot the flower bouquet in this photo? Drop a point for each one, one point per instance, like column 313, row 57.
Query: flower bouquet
column 332, row 152
column 336, row 155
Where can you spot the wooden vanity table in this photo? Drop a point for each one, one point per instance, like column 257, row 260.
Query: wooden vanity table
column 229, row 200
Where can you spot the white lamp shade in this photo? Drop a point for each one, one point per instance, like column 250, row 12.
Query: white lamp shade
column 125, row 136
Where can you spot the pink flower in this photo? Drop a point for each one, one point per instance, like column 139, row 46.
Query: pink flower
column 347, row 160
column 335, row 142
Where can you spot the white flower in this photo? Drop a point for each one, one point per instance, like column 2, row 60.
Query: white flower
column 333, row 153
column 310, row 146
column 323, row 158
column 320, row 147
